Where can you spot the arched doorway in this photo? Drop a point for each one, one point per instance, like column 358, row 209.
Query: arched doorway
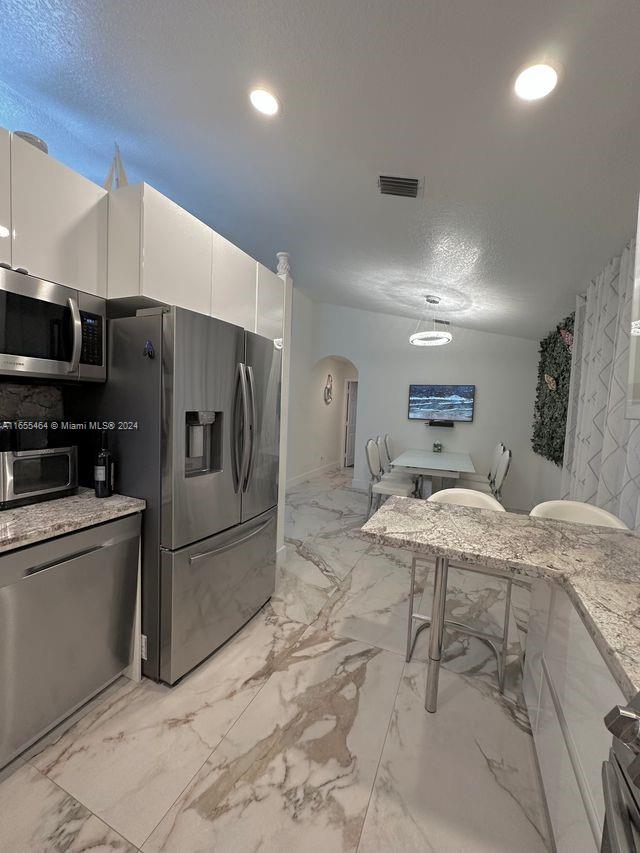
column 332, row 413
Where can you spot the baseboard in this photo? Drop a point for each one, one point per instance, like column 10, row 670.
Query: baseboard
column 315, row 472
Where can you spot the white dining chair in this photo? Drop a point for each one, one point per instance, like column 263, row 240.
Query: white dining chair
column 484, row 482
column 578, row 512
column 385, row 462
column 496, row 456
column 380, row 484
column 387, row 444
column 498, row 645
column 502, row 469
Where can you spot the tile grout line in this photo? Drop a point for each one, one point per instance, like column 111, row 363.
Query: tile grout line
column 386, row 736
column 224, row 736
column 84, row 805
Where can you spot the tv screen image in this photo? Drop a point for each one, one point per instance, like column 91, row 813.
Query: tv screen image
column 441, row 402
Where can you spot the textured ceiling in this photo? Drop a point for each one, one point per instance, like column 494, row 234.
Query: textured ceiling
column 523, row 202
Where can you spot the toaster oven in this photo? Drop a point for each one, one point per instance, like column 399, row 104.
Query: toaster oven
column 28, row 476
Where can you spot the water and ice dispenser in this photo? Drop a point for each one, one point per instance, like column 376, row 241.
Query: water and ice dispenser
column 203, row 452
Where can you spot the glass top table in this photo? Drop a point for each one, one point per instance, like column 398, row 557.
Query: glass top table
column 446, row 465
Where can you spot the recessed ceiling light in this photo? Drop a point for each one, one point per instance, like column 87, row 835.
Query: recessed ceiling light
column 264, row 102
column 536, row 82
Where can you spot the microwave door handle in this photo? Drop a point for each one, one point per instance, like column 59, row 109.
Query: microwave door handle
column 76, row 323
column 252, row 427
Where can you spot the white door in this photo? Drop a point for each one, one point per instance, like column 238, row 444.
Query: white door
column 350, row 425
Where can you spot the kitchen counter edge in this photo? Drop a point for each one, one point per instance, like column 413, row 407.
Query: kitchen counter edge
column 38, row 522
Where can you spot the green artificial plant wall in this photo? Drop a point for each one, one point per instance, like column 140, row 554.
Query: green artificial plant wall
column 552, row 394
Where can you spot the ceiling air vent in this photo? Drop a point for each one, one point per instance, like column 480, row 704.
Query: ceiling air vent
column 405, row 187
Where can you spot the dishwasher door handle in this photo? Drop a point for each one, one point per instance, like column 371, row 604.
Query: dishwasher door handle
column 43, row 567
column 82, row 552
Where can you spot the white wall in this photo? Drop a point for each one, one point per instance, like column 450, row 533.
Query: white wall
column 503, row 368
column 317, row 439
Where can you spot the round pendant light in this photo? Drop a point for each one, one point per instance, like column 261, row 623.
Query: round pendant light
column 435, row 337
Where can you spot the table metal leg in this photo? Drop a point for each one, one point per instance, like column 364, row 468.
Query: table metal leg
column 437, row 630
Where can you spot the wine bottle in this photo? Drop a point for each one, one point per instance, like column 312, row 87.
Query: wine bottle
column 103, row 468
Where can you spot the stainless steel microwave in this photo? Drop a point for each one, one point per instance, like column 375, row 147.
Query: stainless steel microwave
column 48, row 331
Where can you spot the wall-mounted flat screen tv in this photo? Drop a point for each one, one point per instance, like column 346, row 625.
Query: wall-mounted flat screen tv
column 441, row 402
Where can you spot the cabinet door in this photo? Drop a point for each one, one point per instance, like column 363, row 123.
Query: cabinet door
column 571, row 828
column 233, row 284
column 176, row 254
column 5, row 196
column 585, row 688
column 269, row 304
column 59, row 221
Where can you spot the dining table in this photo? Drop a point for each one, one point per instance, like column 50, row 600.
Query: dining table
column 592, row 564
column 441, row 465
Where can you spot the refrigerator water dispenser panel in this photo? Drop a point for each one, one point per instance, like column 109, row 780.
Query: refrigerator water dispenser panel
column 203, row 451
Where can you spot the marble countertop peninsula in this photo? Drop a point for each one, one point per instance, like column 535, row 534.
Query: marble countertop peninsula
column 599, row 567
column 37, row 522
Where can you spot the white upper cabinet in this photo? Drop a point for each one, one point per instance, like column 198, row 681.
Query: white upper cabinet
column 58, row 218
column 158, row 250
column 5, row 197
column 269, row 304
column 233, row 284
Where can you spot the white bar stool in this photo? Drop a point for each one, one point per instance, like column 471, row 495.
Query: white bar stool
column 498, row 645
column 578, row 512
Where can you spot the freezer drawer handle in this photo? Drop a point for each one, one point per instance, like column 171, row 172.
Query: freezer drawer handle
column 231, row 544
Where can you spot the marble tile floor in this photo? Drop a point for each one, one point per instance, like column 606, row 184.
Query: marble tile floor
column 307, row 731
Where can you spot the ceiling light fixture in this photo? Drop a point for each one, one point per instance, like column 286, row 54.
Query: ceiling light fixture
column 435, row 337
column 264, row 102
column 536, row 82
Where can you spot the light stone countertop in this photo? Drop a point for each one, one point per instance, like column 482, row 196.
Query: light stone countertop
column 599, row 567
column 40, row 521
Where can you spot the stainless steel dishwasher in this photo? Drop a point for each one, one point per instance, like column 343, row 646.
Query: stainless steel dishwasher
column 67, row 610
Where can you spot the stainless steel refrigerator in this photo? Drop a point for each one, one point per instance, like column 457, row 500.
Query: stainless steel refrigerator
column 202, row 398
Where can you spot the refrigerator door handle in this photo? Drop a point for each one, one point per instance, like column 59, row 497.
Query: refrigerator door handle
column 252, row 426
column 246, row 430
column 238, row 446
column 235, row 434
column 233, row 544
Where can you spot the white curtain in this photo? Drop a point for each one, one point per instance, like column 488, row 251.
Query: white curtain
column 602, row 447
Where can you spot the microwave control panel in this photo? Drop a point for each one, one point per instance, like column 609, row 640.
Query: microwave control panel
column 92, row 333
